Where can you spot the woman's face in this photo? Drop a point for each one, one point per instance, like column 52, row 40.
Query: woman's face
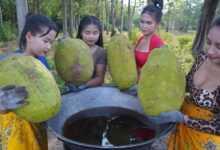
column 147, row 24
column 212, row 45
column 90, row 34
column 38, row 44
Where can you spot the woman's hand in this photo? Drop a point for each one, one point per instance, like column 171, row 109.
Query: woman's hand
column 11, row 97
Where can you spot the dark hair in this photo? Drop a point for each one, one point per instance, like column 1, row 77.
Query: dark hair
column 34, row 24
column 215, row 23
column 88, row 20
column 154, row 10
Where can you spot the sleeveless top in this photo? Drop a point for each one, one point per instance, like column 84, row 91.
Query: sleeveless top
column 142, row 56
column 202, row 98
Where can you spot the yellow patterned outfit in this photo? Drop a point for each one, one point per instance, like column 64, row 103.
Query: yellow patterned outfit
column 20, row 134
column 202, row 129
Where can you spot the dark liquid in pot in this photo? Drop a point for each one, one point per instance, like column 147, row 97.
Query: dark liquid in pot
column 107, row 131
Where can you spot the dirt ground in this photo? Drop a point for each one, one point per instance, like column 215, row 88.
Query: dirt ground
column 55, row 144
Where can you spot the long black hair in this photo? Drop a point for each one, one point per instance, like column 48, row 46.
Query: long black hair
column 88, row 20
column 215, row 23
column 154, row 10
column 34, row 24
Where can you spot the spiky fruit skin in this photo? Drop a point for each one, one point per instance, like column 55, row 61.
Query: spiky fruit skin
column 43, row 93
column 74, row 61
column 121, row 61
column 161, row 87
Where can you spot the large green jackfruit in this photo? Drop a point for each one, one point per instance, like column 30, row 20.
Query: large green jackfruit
column 74, row 61
column 121, row 61
column 161, row 86
column 44, row 95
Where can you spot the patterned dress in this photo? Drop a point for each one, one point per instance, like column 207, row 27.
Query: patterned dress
column 202, row 130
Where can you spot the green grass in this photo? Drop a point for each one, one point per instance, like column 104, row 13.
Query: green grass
column 180, row 46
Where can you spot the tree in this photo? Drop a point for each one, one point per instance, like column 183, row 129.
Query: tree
column 148, row 2
column 45, row 7
column 169, row 5
column 1, row 20
column 97, row 11
column 129, row 16
column 21, row 8
column 133, row 14
column 71, row 18
column 64, row 18
column 107, row 16
column 122, row 16
column 206, row 17
column 103, row 14
column 38, row 6
column 112, row 17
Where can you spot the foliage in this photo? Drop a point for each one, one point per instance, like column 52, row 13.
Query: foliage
column 8, row 11
column 59, row 81
column 185, row 41
column 134, row 35
column 180, row 49
column 7, row 32
column 182, row 15
column 116, row 31
column 218, row 10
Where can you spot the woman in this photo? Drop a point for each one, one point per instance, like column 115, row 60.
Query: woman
column 199, row 116
column 90, row 31
column 151, row 17
column 16, row 133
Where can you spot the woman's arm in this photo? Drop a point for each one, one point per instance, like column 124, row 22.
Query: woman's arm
column 99, row 76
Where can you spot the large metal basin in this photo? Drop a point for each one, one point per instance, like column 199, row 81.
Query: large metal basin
column 102, row 101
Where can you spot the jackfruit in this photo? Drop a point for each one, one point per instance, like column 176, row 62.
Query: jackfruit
column 43, row 93
column 121, row 61
column 74, row 61
column 161, row 87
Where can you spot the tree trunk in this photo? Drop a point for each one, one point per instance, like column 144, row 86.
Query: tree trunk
column 79, row 19
column 206, row 17
column 71, row 18
column 1, row 20
column 122, row 16
column 45, row 7
column 21, row 8
column 97, row 11
column 107, row 17
column 115, row 7
column 76, row 23
column 168, row 17
column 64, row 19
column 112, row 17
column 103, row 15
column 133, row 14
column 33, row 5
column 129, row 16
column 38, row 6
